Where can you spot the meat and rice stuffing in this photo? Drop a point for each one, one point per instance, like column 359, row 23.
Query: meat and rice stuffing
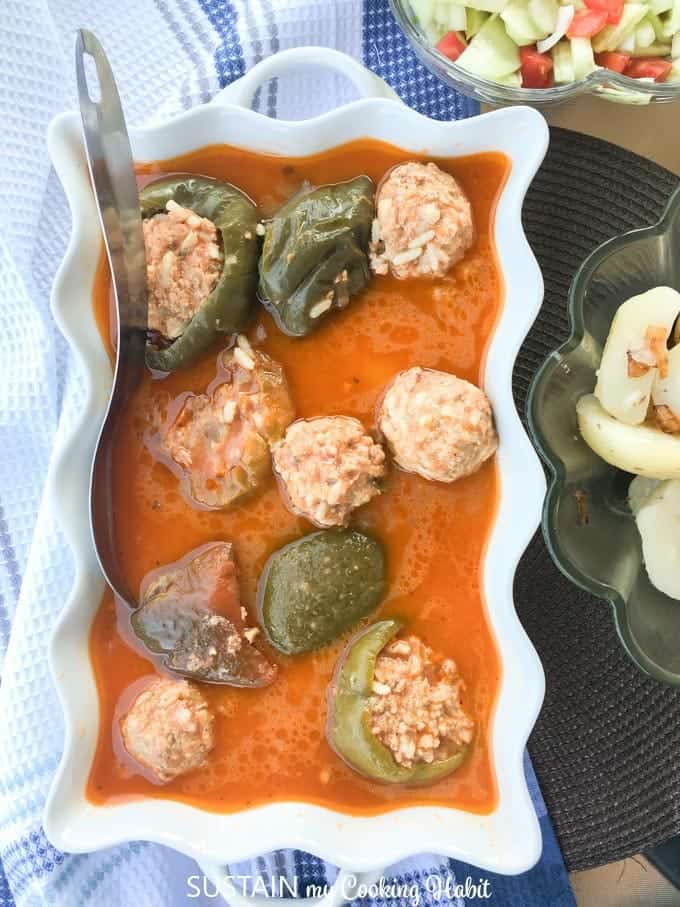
column 328, row 467
column 415, row 709
column 437, row 425
column 183, row 264
column 169, row 729
column 221, row 441
column 423, row 225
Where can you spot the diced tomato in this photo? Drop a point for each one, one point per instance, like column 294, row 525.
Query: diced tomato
column 615, row 61
column 586, row 23
column 536, row 68
column 451, row 45
column 649, row 68
column 613, row 8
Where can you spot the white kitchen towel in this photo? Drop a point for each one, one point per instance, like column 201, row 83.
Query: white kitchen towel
column 167, row 55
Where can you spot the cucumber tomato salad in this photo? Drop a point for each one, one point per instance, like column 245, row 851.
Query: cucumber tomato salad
column 541, row 43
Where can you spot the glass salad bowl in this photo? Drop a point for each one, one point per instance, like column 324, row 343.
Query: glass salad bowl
column 601, row 82
column 587, row 524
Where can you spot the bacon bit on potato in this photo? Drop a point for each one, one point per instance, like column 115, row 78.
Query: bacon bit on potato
column 667, row 420
column 656, row 340
column 654, row 353
column 636, row 369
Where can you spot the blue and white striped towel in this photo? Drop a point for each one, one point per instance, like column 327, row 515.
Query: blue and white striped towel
column 167, row 55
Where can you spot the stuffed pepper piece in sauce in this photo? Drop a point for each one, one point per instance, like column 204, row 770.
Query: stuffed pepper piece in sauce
column 191, row 615
column 315, row 254
column 316, row 588
column 395, row 712
column 201, row 247
column 219, row 442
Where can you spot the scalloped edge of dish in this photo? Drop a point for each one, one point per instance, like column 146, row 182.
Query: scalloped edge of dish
column 575, row 341
column 507, row 840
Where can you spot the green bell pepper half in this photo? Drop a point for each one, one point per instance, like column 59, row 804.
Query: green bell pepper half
column 317, row 587
column 349, row 731
column 190, row 614
column 228, row 308
column 315, row 252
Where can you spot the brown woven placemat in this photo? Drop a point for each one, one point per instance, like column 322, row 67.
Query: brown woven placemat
column 606, row 747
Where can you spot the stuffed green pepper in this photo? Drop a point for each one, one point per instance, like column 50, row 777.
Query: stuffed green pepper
column 201, row 245
column 191, row 615
column 315, row 254
column 395, row 712
column 316, row 588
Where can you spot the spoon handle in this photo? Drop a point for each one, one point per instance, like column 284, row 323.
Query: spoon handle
column 112, row 172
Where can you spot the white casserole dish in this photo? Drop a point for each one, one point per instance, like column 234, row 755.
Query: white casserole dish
column 506, row 841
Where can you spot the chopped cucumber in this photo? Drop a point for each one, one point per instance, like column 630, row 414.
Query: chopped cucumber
column 644, row 35
column 513, row 79
column 672, row 23
column 620, row 96
column 434, row 32
column 563, row 67
column 424, row 10
column 660, row 6
column 675, row 47
column 491, row 53
column 544, row 14
column 582, row 58
column 453, row 17
column 611, row 36
column 657, row 25
column 654, row 50
column 456, row 18
column 487, row 6
column 519, row 24
column 441, row 15
column 474, row 19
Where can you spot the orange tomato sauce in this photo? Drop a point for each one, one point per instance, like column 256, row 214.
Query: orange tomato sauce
column 270, row 743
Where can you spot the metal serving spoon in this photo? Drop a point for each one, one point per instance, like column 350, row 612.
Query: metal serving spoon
column 113, row 177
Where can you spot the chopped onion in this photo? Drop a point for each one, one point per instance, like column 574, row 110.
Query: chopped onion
column 564, row 16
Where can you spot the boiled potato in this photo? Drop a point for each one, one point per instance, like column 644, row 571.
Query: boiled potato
column 658, row 521
column 640, row 491
column 640, row 449
column 639, row 332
